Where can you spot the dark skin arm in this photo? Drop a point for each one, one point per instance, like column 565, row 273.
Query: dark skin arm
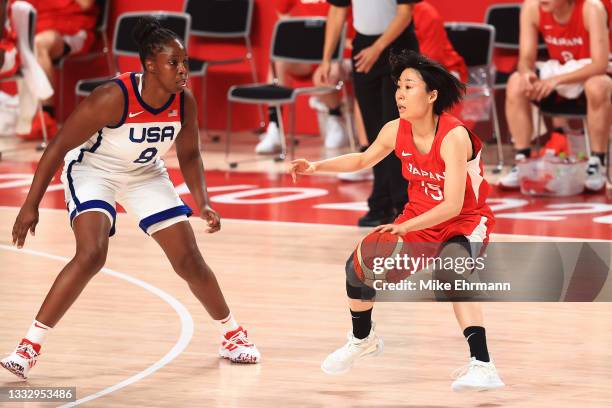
column 103, row 107
column 190, row 161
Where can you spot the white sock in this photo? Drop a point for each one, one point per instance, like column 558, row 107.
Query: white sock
column 37, row 332
column 226, row 325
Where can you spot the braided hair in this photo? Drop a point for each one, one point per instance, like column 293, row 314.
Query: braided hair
column 150, row 37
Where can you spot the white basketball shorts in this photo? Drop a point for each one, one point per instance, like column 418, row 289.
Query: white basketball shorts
column 145, row 193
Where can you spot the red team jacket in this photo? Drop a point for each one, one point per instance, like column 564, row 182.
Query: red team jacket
column 425, row 175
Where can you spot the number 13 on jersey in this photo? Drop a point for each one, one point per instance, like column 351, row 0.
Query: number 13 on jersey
column 432, row 190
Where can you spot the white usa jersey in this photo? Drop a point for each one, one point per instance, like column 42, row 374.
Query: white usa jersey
column 138, row 141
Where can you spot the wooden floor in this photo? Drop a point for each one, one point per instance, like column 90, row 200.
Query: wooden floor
column 137, row 337
column 285, row 283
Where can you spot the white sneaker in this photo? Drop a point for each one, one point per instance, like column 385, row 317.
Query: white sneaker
column 596, row 175
column 361, row 175
column 237, row 348
column 335, row 135
column 341, row 360
column 316, row 104
column 270, row 141
column 20, row 361
column 476, row 376
column 511, row 180
column 322, row 113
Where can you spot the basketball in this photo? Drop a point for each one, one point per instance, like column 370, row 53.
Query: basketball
column 374, row 258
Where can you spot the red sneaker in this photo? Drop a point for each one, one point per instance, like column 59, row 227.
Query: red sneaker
column 237, row 348
column 22, row 359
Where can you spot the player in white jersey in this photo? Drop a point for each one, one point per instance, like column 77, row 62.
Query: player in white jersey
column 134, row 120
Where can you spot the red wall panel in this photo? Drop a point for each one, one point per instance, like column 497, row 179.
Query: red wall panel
column 221, row 77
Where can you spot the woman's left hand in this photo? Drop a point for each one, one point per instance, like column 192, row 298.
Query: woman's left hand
column 212, row 219
column 395, row 229
column 543, row 88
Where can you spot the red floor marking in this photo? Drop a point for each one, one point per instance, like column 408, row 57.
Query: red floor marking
column 269, row 197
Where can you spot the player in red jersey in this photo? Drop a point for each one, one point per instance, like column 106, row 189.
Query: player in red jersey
column 577, row 36
column 441, row 160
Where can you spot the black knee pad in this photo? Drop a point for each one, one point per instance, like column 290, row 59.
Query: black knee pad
column 351, row 275
column 461, row 240
column 355, row 289
column 456, row 247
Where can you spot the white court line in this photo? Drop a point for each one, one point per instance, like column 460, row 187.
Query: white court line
column 179, row 346
column 340, row 226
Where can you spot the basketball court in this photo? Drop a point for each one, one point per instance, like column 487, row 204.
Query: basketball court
column 138, row 337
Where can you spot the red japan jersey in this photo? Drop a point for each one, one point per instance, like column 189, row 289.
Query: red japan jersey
column 426, row 172
column 433, row 41
column 570, row 40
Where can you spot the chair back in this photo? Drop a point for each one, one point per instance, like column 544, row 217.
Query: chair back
column 220, row 18
column 301, row 40
column 124, row 44
column 506, row 20
column 473, row 41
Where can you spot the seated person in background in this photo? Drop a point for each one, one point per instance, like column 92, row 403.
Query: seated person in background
column 433, row 41
column 9, row 58
column 64, row 27
column 335, row 134
column 576, row 33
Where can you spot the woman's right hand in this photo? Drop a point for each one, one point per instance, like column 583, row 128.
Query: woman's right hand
column 301, row 166
column 26, row 220
column 322, row 73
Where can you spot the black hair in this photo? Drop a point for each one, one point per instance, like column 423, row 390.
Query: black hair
column 450, row 89
column 150, row 37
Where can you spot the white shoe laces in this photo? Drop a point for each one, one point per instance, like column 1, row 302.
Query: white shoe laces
column 475, row 367
column 27, row 349
column 350, row 348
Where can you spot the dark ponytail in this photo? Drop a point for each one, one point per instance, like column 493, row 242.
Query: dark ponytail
column 150, row 37
column 450, row 89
